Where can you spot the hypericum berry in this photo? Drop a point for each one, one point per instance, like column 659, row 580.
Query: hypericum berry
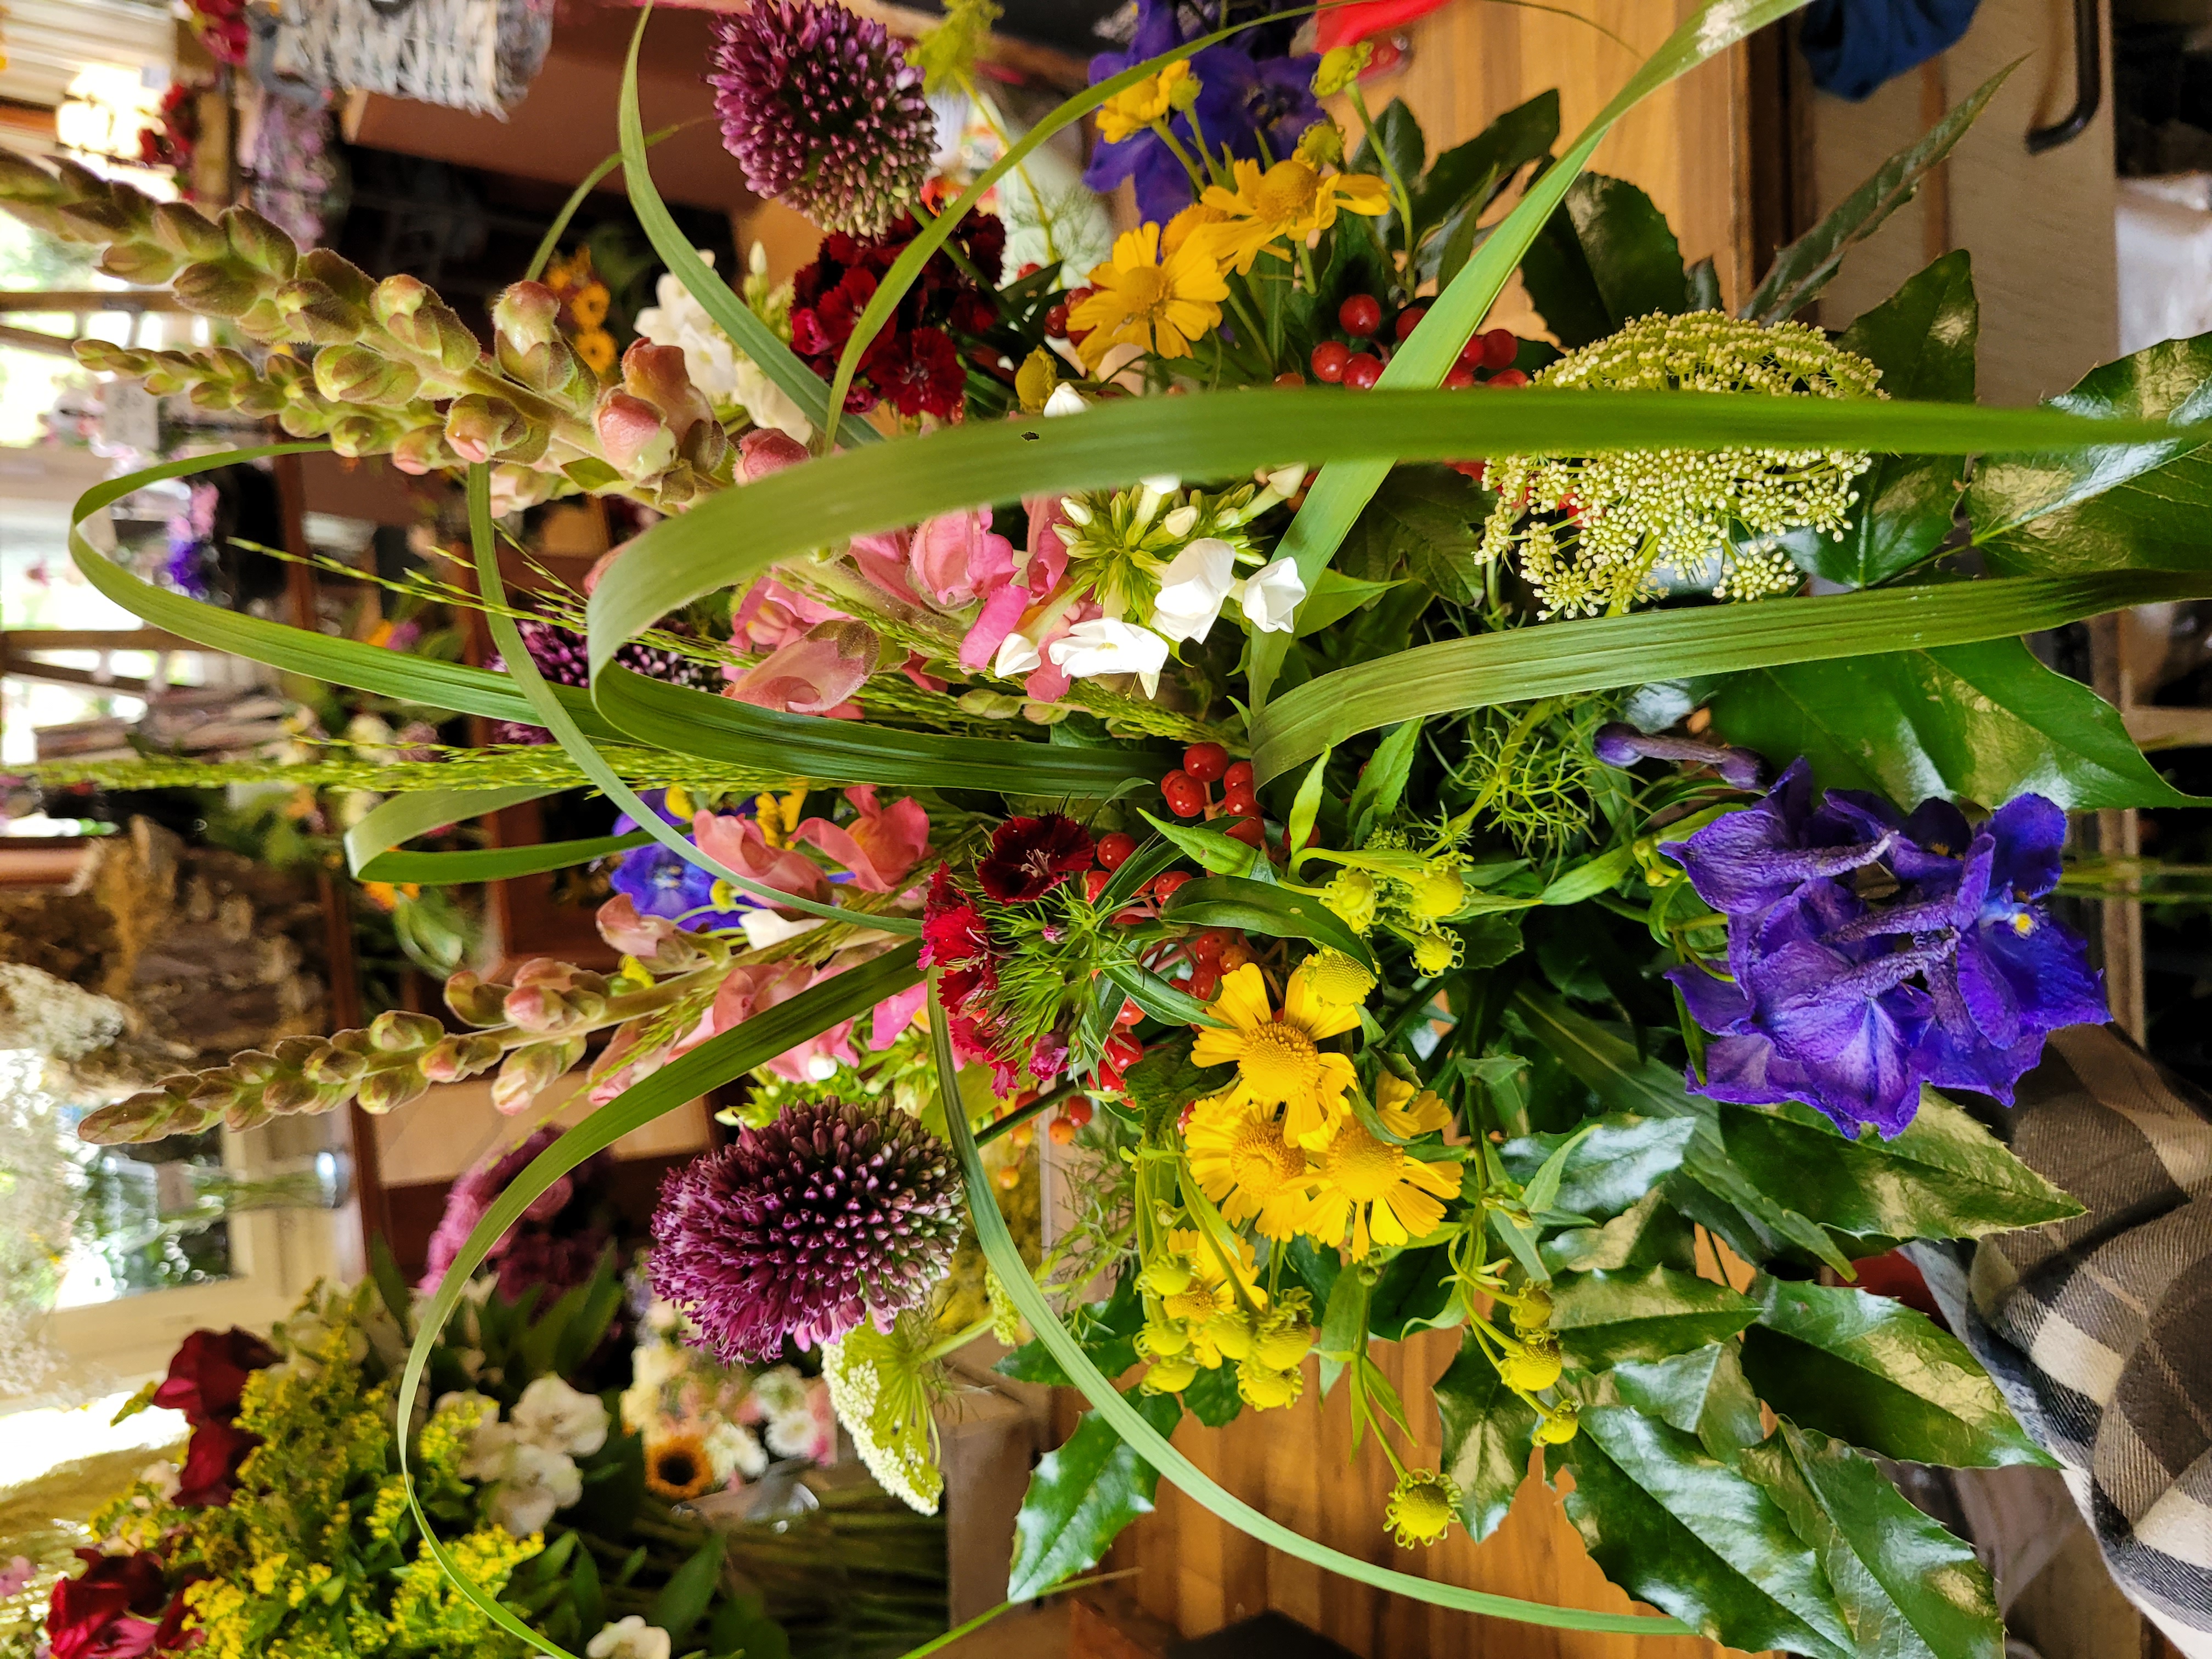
column 1362, row 371
column 1184, row 794
column 1238, row 774
column 1500, row 346
column 1360, row 315
column 1328, row 360
column 1062, row 1130
column 1459, row 378
column 1130, row 1013
column 1250, row 831
column 1239, row 801
column 1408, row 320
column 1094, row 884
column 1290, row 377
column 1074, row 297
column 1208, row 945
column 1123, row 1051
column 1056, row 322
column 1205, row 983
column 1030, row 268
column 1509, row 379
column 1165, row 885
column 1204, row 761
column 1113, row 850
column 1077, row 1111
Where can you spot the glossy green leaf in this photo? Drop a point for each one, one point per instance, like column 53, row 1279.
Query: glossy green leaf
column 1381, row 783
column 1568, row 659
column 1945, row 1176
column 1908, row 1588
column 1156, row 996
column 2136, row 506
column 1703, row 1392
column 1803, row 269
column 1336, row 497
column 1649, row 1233
column 999, row 1249
column 1414, row 1292
column 1922, row 338
column 1487, row 1430
column 683, row 1599
column 1674, row 1526
column 1336, row 597
column 371, row 846
column 1213, row 1399
column 1468, row 178
column 1602, row 1319
column 1081, row 1496
column 1618, row 1160
column 1402, row 142
column 1106, row 1329
column 1606, row 258
column 1976, row 722
column 1878, row 1374
column 1424, row 523
column 1253, row 907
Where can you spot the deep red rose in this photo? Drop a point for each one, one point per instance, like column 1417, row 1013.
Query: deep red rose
column 207, row 1374
column 1029, row 857
column 211, row 1460
column 107, row 1610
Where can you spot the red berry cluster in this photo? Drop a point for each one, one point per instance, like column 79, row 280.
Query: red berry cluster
column 1056, row 320
column 1486, row 360
column 1188, row 795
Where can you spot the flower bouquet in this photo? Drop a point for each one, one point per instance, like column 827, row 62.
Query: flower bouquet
column 1429, row 858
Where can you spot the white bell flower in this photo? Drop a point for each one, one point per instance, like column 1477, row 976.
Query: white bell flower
column 628, row 1638
column 533, row 1484
column 1270, row 595
column 556, row 1418
column 1018, row 654
column 1107, row 645
column 1192, row 587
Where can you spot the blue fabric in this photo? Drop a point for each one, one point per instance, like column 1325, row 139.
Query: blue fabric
column 1854, row 46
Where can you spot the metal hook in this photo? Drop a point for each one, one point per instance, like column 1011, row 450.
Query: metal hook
column 2088, row 83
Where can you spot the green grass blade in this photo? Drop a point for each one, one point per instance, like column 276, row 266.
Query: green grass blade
column 555, row 717
column 740, row 534
column 999, row 1249
column 342, row 662
column 716, row 1062
column 1565, row 658
column 593, row 180
column 371, row 846
column 731, row 314
column 1336, row 496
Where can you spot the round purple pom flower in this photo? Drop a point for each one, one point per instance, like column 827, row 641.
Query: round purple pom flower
column 802, row 1230
column 823, row 112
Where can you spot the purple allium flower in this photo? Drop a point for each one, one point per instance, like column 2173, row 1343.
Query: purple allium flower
column 559, row 655
column 1953, row 977
column 1242, row 99
column 823, row 112
column 830, row 1215
column 1623, row 745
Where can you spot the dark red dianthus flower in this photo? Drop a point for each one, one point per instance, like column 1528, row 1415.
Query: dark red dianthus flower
column 1029, row 857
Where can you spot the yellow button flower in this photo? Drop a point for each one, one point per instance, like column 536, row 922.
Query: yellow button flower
column 1385, row 1196
column 1243, row 1164
column 1290, row 200
column 1422, row 1508
column 1408, row 1111
column 1278, row 1057
column 1128, row 113
column 1141, row 299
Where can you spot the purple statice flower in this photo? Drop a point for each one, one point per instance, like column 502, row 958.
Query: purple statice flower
column 1953, row 976
column 661, row 882
column 557, row 1242
column 798, row 1231
column 1252, row 106
column 1623, row 745
column 823, row 112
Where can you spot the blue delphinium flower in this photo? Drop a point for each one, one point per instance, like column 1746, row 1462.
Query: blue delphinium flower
column 661, row 882
column 1870, row 951
column 1253, row 106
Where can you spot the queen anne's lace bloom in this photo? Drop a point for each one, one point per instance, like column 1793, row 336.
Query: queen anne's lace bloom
column 1596, row 533
column 881, row 1395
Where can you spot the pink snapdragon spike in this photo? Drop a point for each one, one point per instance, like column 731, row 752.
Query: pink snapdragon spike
column 993, row 624
column 772, row 616
column 622, row 927
column 738, row 842
column 958, row 558
column 635, row 441
column 881, row 846
column 657, row 374
column 765, row 450
column 814, row 675
column 894, row 1015
column 883, row 557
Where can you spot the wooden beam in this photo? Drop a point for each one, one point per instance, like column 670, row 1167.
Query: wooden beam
column 93, row 639
column 76, row 300
column 24, row 668
column 29, row 339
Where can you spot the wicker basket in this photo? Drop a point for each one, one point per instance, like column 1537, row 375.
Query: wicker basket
column 474, row 55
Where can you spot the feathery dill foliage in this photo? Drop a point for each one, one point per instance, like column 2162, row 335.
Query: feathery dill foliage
column 1532, row 770
column 1048, row 948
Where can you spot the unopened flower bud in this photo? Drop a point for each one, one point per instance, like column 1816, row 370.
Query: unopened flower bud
column 1232, row 1331
column 527, row 314
column 1561, row 1425
column 333, row 1066
column 1268, row 1387
column 217, row 288
column 146, row 263
column 396, row 298
column 102, row 357
column 706, row 446
column 478, row 428
column 657, row 373
column 1438, row 891
column 356, row 435
column 1279, row 1346
column 1534, row 1309
column 397, row 1031
column 1320, row 145
column 318, row 315
column 259, row 242
column 454, row 1058
column 356, row 374
column 388, row 1091
column 1535, row 1365
column 474, row 1002
column 1433, row 953
column 528, row 1071
column 1340, row 67
column 286, row 1095
column 632, row 436
column 1171, row 1376
column 422, row 449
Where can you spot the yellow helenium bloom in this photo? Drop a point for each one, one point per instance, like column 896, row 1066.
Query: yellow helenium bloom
column 1210, row 1292
column 1244, row 1165
column 1193, row 219
column 1407, row 1111
column 1290, row 200
column 1126, row 114
column 1278, row 1057
column 1387, row 1197
column 1140, row 300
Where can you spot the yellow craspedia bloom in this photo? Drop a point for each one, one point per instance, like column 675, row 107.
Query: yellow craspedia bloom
column 1278, row 1057
column 1143, row 299
column 1291, row 200
column 1264, row 1388
column 1338, row 978
column 1385, row 1196
column 1408, row 1110
column 1242, row 1162
column 1128, row 113
column 1561, row 1425
column 1422, row 1508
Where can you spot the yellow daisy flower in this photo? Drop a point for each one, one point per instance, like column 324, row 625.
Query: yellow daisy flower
column 1290, row 200
column 1193, row 219
column 1128, row 113
column 1408, row 1111
column 1278, row 1056
column 1245, row 1166
column 1387, row 1197
column 1140, row 300
column 1209, row 1293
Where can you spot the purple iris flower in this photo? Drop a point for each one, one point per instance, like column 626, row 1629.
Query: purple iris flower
column 1953, row 975
column 661, row 882
column 1253, row 107
column 1622, row 744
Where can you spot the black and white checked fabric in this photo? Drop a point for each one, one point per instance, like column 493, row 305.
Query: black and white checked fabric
column 2098, row 1329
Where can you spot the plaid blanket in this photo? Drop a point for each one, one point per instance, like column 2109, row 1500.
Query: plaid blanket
column 2098, row 1330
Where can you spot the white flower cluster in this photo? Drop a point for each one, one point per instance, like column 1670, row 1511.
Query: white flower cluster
column 530, row 1460
column 881, row 1397
column 732, row 380
column 628, row 1638
column 1597, row 533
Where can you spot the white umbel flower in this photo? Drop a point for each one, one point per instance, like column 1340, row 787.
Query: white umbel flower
column 878, row 1389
